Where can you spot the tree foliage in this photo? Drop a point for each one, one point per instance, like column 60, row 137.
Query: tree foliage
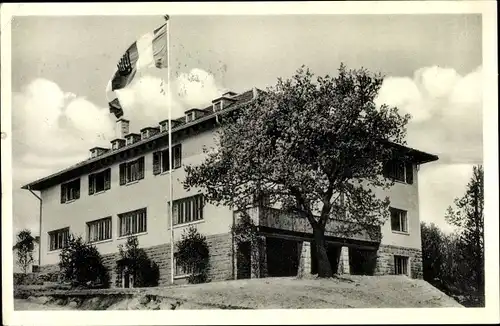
column 24, row 247
column 135, row 262
column 468, row 217
column 455, row 262
column 193, row 255
column 81, row 264
column 306, row 143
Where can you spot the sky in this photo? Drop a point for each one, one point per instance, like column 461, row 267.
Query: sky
column 61, row 65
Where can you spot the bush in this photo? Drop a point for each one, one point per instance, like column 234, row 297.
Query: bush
column 193, row 255
column 81, row 264
column 136, row 262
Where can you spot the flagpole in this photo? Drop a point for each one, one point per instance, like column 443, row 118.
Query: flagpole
column 170, row 208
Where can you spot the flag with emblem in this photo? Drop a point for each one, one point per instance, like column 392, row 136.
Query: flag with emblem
column 149, row 51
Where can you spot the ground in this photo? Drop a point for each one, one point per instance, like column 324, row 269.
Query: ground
column 267, row 293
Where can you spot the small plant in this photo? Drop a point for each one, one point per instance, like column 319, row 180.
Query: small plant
column 135, row 262
column 24, row 249
column 81, row 264
column 193, row 255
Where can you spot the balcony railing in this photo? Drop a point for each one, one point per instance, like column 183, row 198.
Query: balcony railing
column 289, row 221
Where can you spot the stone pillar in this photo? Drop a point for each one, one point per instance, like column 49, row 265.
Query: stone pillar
column 258, row 258
column 344, row 261
column 305, row 259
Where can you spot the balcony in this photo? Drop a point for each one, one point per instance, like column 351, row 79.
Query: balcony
column 278, row 219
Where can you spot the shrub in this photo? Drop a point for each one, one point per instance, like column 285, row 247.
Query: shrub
column 81, row 264
column 137, row 263
column 193, row 255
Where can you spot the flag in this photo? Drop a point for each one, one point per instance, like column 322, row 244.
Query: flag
column 149, row 51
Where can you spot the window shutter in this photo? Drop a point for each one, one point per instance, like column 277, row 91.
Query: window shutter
column 409, row 173
column 77, row 191
column 107, row 179
column 91, row 184
column 63, row 193
column 177, row 156
column 156, row 163
column 123, row 177
column 141, row 167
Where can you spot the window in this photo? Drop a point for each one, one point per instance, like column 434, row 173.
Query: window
column 181, row 270
column 400, row 265
column 161, row 160
column 188, row 209
column 399, row 171
column 133, row 222
column 70, row 191
column 58, row 239
column 399, row 220
column 132, row 171
column 99, row 230
column 99, row 181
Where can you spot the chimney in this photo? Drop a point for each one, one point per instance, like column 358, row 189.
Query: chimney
column 122, row 128
column 255, row 92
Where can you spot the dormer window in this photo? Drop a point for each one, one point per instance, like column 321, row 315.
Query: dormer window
column 132, row 138
column 117, row 143
column 164, row 125
column 149, row 132
column 97, row 151
column 190, row 117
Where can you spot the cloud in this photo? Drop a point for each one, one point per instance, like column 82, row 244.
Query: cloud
column 53, row 129
column 446, row 111
column 439, row 185
column 145, row 101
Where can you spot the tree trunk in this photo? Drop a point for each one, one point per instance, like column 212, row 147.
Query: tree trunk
column 324, row 267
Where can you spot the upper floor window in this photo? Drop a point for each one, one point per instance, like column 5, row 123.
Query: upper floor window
column 399, row 220
column 58, row 239
column 99, row 230
column 132, row 171
column 188, row 209
column 161, row 159
column 100, row 181
column 133, row 222
column 70, row 191
column 399, row 171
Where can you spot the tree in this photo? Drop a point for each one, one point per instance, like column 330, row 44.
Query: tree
column 193, row 255
column 81, row 264
column 136, row 262
column 315, row 147
column 432, row 252
column 24, row 249
column 468, row 217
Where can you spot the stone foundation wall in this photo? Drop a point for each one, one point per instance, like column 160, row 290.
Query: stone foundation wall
column 385, row 260
column 220, row 269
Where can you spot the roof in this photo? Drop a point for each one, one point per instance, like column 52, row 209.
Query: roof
column 418, row 156
column 55, row 178
column 150, row 128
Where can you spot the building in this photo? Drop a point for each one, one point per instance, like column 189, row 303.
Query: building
column 123, row 190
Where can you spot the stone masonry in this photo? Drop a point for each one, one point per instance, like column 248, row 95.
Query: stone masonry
column 385, row 260
column 220, row 260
